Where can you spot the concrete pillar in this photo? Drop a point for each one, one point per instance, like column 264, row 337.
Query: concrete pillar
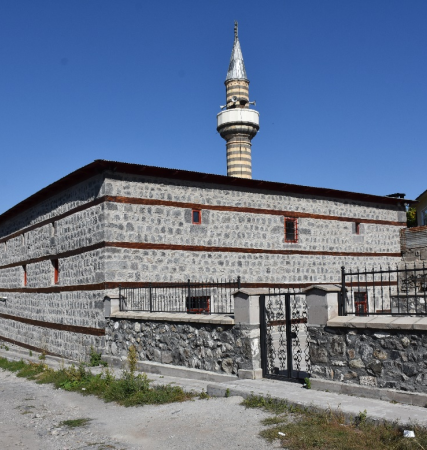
column 246, row 318
column 111, row 305
column 322, row 303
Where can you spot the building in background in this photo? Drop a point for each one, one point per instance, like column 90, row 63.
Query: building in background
column 421, row 207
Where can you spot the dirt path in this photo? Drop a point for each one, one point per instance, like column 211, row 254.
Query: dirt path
column 30, row 415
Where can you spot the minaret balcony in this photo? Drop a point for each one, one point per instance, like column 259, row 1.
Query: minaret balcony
column 244, row 120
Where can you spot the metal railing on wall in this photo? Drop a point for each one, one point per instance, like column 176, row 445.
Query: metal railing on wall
column 190, row 297
column 400, row 291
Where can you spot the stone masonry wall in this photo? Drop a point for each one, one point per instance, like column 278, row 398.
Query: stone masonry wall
column 388, row 359
column 58, row 204
column 172, row 266
column 68, row 344
column 172, row 225
column 77, row 308
column 222, row 349
column 78, row 230
column 85, row 268
column 203, row 193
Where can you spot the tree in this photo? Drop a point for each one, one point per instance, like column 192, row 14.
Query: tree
column 411, row 217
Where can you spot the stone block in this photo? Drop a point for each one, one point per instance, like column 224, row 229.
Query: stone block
column 255, row 374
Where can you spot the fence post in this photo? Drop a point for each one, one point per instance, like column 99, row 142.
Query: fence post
column 190, row 304
column 288, row 314
column 341, row 306
column 263, row 336
column 150, row 297
column 120, row 297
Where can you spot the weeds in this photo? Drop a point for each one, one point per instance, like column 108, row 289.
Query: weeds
column 204, row 395
column 307, row 428
column 128, row 389
column 307, row 383
column 227, row 393
column 95, row 358
column 74, row 423
column 132, row 359
column 361, row 418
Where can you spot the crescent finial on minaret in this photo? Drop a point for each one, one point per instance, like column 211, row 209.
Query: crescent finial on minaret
column 236, row 25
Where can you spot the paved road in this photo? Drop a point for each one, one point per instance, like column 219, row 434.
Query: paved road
column 30, row 415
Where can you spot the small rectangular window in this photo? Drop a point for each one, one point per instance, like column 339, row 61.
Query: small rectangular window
column 196, row 216
column 25, row 275
column 291, row 230
column 357, row 227
column 55, row 271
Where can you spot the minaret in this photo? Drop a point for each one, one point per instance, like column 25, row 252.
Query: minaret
column 238, row 124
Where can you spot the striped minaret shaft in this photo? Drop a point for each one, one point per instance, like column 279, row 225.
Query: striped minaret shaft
column 238, row 124
column 239, row 158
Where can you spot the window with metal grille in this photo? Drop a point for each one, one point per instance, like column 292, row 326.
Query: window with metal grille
column 291, row 230
column 196, row 216
column 360, row 303
column 198, row 304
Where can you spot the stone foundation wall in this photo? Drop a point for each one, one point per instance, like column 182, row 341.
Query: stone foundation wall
column 394, row 359
column 216, row 348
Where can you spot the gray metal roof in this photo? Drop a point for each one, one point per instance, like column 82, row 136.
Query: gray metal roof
column 236, row 68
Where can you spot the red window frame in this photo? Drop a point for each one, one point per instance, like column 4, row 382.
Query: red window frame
column 193, row 213
column 360, row 303
column 55, row 271
column 357, row 228
column 294, row 221
column 25, row 275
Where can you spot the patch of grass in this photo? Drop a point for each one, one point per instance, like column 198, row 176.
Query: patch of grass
column 74, row 423
column 305, row 428
column 227, row 393
column 271, row 405
column 307, row 383
column 127, row 390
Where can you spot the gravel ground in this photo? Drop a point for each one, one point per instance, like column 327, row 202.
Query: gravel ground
column 30, row 417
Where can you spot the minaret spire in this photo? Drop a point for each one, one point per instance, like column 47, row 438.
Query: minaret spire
column 238, row 124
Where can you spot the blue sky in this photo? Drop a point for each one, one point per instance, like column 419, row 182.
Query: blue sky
column 341, row 87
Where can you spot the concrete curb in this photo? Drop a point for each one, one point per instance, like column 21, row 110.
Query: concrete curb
column 172, row 371
column 388, row 395
column 347, row 405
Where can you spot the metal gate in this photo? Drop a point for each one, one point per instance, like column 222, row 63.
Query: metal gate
column 284, row 342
